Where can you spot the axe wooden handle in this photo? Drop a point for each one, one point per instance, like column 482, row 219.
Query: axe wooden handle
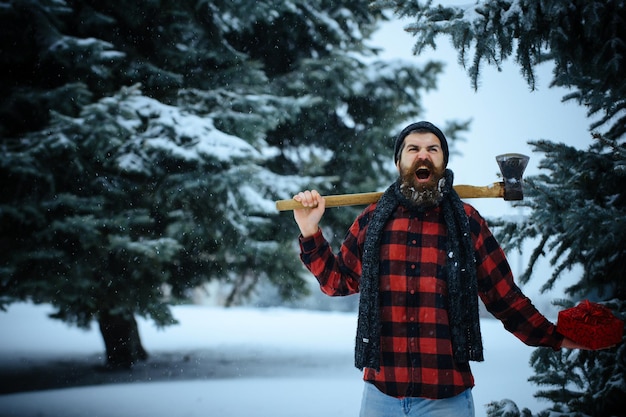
column 495, row 190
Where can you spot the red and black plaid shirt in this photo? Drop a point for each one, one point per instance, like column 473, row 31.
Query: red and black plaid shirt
column 416, row 350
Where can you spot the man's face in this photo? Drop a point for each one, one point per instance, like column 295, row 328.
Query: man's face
column 421, row 166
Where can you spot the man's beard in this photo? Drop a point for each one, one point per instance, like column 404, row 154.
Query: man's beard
column 422, row 194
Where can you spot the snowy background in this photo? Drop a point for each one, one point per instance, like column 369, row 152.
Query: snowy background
column 287, row 362
column 217, row 362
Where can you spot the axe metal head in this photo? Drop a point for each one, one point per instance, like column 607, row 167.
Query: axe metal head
column 512, row 166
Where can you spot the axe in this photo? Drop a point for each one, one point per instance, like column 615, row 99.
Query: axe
column 512, row 166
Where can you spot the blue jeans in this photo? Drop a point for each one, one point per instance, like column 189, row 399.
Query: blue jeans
column 377, row 404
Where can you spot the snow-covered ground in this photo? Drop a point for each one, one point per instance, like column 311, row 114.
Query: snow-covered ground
column 218, row 362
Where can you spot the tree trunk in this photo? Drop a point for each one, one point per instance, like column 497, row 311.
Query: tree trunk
column 121, row 339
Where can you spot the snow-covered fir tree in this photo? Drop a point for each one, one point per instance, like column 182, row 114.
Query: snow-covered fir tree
column 143, row 145
column 578, row 205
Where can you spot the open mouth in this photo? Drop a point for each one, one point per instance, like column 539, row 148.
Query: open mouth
column 422, row 174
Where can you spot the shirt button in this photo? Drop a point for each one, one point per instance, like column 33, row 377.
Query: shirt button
column 412, row 319
column 412, row 291
column 413, row 266
column 414, row 242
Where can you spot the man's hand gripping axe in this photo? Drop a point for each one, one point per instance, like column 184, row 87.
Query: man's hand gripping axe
column 512, row 166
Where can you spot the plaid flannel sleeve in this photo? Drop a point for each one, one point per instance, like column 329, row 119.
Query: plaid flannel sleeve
column 339, row 274
column 501, row 296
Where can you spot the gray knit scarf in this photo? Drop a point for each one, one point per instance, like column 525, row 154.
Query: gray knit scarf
column 461, row 279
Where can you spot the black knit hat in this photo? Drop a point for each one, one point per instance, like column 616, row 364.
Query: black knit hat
column 421, row 127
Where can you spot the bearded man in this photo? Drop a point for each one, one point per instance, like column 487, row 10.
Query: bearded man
column 420, row 259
